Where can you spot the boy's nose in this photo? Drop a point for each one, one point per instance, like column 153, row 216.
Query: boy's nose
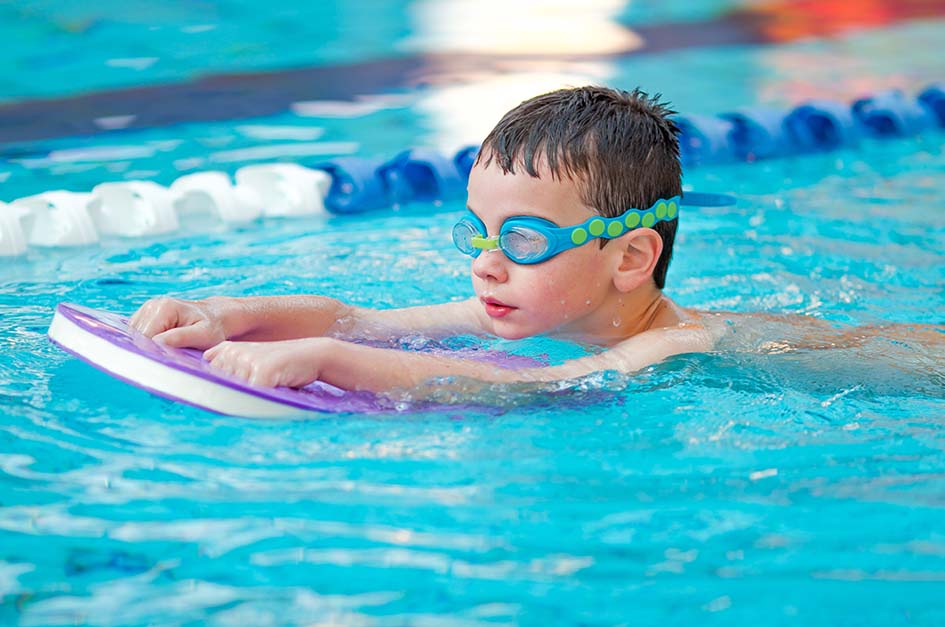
column 491, row 265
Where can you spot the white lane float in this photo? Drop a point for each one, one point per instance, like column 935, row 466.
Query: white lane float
column 133, row 209
column 286, row 189
column 57, row 218
column 12, row 238
column 214, row 193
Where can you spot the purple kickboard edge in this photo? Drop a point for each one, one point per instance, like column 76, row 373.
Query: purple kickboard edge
column 317, row 396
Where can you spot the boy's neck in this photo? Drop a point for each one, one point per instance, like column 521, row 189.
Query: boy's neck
column 628, row 314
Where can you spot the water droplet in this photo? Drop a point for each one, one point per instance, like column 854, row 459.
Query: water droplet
column 587, row 302
column 616, row 321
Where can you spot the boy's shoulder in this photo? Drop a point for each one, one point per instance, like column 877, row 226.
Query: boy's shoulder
column 675, row 332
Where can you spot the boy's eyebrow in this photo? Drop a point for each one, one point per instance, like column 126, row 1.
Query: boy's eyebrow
column 524, row 213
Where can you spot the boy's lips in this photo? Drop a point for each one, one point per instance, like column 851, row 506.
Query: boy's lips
column 496, row 308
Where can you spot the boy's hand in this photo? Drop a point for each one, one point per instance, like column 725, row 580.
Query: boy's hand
column 289, row 363
column 181, row 323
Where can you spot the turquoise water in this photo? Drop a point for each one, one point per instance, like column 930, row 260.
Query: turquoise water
column 737, row 488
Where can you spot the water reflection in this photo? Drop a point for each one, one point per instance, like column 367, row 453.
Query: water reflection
column 528, row 27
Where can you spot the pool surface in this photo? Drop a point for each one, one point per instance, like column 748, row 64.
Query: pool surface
column 756, row 487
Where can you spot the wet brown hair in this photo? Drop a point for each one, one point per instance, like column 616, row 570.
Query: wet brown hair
column 619, row 147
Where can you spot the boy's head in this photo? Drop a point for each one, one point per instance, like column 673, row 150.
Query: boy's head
column 619, row 148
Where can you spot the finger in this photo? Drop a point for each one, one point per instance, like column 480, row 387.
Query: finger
column 243, row 372
column 232, row 359
column 263, row 376
column 232, row 368
column 257, row 378
column 215, row 351
column 135, row 319
column 144, row 313
column 219, row 359
column 159, row 318
column 198, row 335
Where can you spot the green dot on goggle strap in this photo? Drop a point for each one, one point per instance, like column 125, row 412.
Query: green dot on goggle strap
column 671, row 211
column 632, row 220
column 648, row 219
column 596, row 227
column 579, row 236
column 661, row 210
column 614, row 229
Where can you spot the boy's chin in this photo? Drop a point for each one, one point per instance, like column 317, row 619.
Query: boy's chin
column 509, row 332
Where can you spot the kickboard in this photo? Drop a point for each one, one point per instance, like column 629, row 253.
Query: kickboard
column 105, row 341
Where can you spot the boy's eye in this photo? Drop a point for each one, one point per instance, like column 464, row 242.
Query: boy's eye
column 523, row 244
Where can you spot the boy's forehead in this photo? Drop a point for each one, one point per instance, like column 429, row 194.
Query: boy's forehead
column 492, row 191
column 485, row 177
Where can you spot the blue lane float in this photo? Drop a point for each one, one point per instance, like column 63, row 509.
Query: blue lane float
column 891, row 114
column 757, row 133
column 464, row 159
column 426, row 176
column 704, row 139
column 821, row 125
column 933, row 99
column 356, row 185
column 399, row 191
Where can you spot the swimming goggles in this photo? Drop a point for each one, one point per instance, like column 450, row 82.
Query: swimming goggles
column 528, row 239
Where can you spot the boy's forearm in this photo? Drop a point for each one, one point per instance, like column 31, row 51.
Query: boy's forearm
column 269, row 318
column 356, row 367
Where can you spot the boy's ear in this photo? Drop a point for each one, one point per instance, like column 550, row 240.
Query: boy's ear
column 639, row 251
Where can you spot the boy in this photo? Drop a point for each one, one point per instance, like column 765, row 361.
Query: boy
column 556, row 250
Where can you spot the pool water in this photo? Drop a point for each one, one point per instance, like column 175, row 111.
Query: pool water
column 799, row 487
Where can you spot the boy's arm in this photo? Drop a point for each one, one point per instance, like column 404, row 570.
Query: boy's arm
column 358, row 367
column 206, row 323
column 637, row 352
column 464, row 317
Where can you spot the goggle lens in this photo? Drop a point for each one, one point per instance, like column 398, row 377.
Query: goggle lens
column 523, row 245
column 463, row 234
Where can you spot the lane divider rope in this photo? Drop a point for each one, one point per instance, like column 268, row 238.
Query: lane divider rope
column 348, row 185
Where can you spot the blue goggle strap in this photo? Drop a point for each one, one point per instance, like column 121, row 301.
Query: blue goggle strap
column 706, row 199
column 563, row 238
column 663, row 210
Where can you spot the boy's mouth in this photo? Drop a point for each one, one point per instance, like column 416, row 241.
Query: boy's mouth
column 496, row 308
